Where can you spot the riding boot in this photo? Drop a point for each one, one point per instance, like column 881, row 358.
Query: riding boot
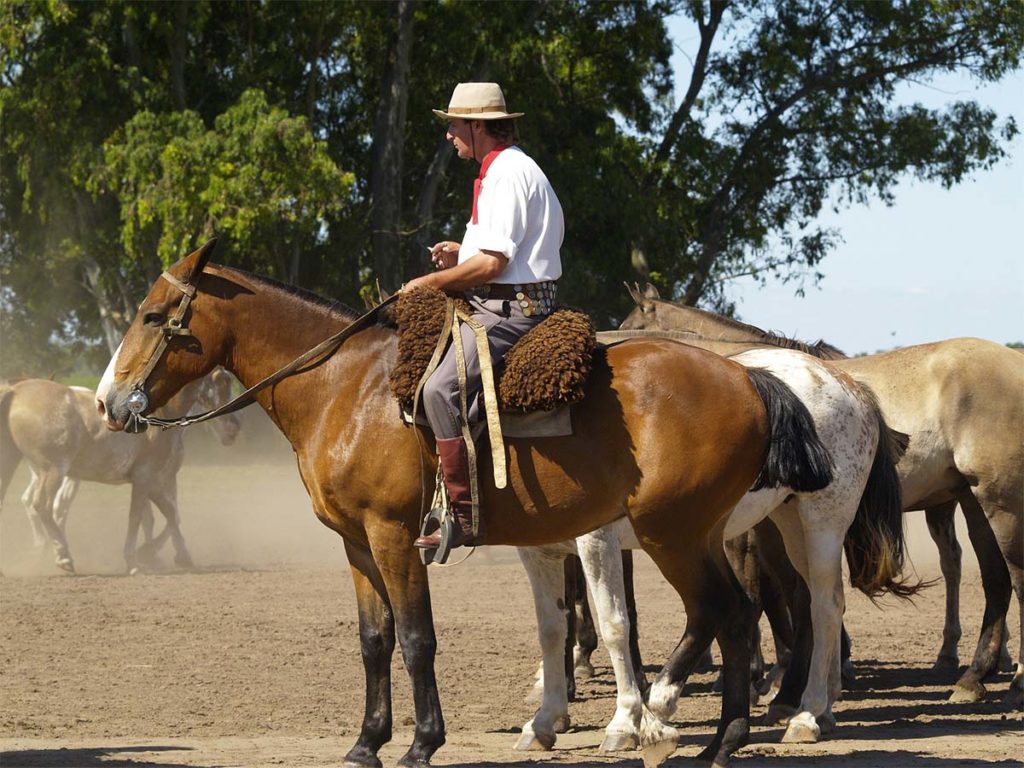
column 455, row 469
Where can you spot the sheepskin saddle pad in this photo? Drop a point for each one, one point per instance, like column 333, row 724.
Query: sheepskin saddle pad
column 545, row 370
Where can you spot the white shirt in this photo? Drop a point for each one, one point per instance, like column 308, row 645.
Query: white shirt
column 518, row 215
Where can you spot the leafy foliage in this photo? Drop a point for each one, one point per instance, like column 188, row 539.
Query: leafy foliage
column 132, row 130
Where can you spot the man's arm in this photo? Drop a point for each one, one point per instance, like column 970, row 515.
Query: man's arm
column 482, row 268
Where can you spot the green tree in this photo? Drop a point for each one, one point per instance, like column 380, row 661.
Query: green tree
column 301, row 132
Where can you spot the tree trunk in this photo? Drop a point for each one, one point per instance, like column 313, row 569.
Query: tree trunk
column 178, row 45
column 111, row 320
column 386, row 173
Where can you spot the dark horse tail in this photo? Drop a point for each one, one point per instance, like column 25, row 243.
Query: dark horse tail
column 10, row 456
column 875, row 544
column 796, row 457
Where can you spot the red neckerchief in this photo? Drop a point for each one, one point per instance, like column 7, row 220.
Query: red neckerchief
column 488, row 159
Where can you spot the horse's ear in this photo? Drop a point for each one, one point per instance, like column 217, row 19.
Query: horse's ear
column 382, row 295
column 198, row 258
column 651, row 292
column 639, row 297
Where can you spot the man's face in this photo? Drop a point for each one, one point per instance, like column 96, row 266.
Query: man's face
column 460, row 135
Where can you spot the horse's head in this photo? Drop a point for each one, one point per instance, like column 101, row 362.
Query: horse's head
column 169, row 343
column 215, row 392
column 646, row 315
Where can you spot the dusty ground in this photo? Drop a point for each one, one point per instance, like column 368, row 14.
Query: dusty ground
column 254, row 661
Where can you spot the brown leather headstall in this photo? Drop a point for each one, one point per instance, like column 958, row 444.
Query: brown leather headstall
column 138, row 401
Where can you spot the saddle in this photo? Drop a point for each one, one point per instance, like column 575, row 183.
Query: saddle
column 543, row 373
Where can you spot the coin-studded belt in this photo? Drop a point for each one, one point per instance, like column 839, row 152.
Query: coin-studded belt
column 533, row 298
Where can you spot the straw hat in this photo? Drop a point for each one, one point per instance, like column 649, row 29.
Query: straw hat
column 477, row 101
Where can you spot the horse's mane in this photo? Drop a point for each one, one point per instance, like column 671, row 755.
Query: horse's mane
column 820, row 348
column 331, row 305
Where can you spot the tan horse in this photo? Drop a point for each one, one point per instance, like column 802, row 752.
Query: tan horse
column 961, row 403
column 58, row 432
column 671, row 436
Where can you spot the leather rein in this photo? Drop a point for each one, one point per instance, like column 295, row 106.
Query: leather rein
column 138, row 401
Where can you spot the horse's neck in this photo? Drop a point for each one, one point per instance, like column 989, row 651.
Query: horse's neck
column 271, row 330
column 712, row 326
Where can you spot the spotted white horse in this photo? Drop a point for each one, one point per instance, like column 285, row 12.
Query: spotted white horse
column 863, row 499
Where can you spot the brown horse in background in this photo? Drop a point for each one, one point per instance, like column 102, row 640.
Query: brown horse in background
column 671, row 436
column 960, row 401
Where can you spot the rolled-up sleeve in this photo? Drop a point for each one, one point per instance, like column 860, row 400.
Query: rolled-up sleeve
column 501, row 217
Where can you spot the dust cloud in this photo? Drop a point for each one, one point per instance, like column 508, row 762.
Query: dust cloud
column 243, row 506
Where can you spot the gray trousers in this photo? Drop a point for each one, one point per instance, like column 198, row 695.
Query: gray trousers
column 505, row 324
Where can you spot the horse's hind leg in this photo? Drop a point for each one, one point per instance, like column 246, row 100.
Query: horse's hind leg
column 42, row 503
column 995, row 579
column 377, row 645
column 62, row 504
column 943, row 531
column 586, row 634
column 1005, row 512
column 545, row 570
column 716, row 607
column 166, row 499
column 600, row 553
column 139, row 505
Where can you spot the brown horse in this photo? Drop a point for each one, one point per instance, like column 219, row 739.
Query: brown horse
column 960, row 402
column 671, row 436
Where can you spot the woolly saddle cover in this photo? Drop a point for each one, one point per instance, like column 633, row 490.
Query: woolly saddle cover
column 544, row 370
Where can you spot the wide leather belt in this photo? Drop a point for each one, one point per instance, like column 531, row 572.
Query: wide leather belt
column 532, row 298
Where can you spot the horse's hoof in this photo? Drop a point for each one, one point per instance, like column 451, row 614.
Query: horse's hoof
column 562, row 724
column 531, row 741
column 360, row 757
column 946, row 663
column 584, row 670
column 967, row 694
column 657, row 739
column 827, row 723
column 802, row 730
column 1014, row 698
column 719, row 753
column 657, row 753
column 778, row 714
column 620, row 741
column 133, row 570
column 410, row 760
column 848, row 673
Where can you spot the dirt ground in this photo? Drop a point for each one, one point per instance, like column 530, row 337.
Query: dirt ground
column 254, row 660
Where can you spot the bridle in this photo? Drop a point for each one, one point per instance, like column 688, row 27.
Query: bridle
column 138, row 401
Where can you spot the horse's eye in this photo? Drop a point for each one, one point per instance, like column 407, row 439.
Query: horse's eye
column 153, row 318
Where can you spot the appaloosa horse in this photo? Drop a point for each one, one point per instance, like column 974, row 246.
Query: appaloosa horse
column 669, row 435
column 861, row 508
column 58, row 432
column 960, row 402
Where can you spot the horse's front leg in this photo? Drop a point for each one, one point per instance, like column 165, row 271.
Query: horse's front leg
column 545, row 570
column 405, row 579
column 377, row 645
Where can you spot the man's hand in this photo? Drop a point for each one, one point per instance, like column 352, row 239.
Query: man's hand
column 445, row 254
column 417, row 282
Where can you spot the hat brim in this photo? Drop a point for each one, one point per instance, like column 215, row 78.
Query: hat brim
column 476, row 115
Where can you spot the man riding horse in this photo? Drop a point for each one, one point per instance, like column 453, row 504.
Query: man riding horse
column 506, row 265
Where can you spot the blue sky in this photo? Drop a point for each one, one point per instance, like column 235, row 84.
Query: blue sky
column 937, row 264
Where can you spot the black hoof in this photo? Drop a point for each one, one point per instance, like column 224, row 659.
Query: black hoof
column 718, row 752
column 361, row 757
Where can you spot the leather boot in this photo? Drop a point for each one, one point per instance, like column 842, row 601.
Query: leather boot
column 455, row 469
